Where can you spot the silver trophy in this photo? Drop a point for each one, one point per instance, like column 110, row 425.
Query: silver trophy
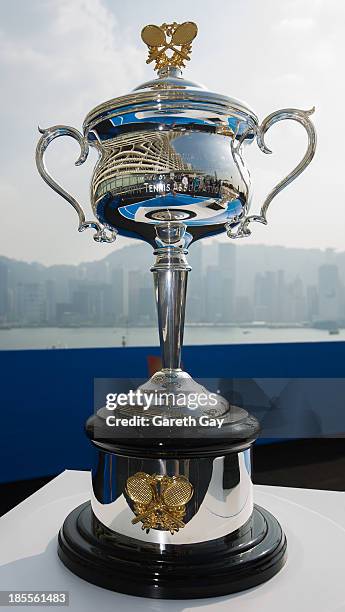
column 170, row 171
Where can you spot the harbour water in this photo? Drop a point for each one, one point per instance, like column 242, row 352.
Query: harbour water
column 88, row 337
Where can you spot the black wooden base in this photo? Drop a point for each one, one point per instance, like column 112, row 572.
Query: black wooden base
column 244, row 559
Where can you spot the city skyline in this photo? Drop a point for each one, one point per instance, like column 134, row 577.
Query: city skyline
column 228, row 285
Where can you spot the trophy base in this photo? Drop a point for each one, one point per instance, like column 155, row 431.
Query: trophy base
column 241, row 560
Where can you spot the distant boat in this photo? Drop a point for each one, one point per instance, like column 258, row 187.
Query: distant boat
column 333, row 332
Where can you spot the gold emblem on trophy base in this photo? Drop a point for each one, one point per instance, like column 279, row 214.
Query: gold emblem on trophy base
column 169, row 44
column 159, row 501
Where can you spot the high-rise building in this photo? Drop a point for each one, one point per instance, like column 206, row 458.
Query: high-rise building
column 141, row 304
column 31, row 303
column 227, row 274
column 117, row 294
column 91, row 303
column 146, row 305
column 275, row 301
column 4, row 292
column 243, row 309
column 312, row 303
column 265, row 297
column 329, row 292
column 282, row 308
column 50, row 290
column 298, row 300
column 213, row 292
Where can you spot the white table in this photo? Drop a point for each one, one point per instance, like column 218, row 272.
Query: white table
column 313, row 579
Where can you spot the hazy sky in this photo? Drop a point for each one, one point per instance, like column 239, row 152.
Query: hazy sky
column 59, row 58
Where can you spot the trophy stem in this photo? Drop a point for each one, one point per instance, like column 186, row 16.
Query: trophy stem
column 170, row 273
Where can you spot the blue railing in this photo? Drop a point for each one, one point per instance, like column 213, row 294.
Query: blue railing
column 46, row 395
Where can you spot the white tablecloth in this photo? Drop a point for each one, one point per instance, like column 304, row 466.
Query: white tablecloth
column 313, row 579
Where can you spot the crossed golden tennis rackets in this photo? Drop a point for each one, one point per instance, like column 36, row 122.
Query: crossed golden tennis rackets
column 159, row 501
column 156, row 38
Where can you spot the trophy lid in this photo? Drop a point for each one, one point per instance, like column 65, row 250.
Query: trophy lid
column 169, row 95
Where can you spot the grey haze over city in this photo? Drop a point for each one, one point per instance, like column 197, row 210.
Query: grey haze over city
column 248, row 285
column 60, row 58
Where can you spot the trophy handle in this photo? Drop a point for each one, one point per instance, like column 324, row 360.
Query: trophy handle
column 48, row 135
column 302, row 117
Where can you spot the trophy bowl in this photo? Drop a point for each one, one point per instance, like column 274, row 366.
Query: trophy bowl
column 171, row 171
column 172, row 151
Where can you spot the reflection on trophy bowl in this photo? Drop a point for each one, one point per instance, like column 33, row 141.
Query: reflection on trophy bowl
column 172, row 150
column 188, row 173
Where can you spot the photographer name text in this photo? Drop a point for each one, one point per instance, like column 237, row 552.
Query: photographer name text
column 164, row 421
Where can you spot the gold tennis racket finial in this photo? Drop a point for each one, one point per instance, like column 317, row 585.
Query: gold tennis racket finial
column 159, row 501
column 169, row 44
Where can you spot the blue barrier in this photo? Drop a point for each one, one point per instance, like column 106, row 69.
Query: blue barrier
column 46, row 395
